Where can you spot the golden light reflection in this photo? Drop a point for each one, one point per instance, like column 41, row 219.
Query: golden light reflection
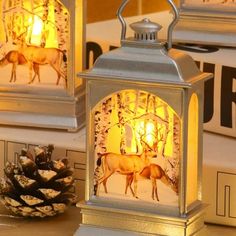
column 145, row 131
column 149, row 133
column 37, row 28
column 41, row 28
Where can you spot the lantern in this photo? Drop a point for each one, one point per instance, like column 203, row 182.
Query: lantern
column 144, row 138
column 41, row 50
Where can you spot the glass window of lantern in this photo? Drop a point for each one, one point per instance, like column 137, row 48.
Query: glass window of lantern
column 192, row 170
column 34, row 33
column 139, row 124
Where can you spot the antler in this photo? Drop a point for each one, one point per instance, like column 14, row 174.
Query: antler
column 21, row 37
column 142, row 141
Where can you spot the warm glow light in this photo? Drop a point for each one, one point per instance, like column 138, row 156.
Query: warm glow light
column 192, row 152
column 38, row 26
column 146, row 130
column 149, row 131
column 43, row 33
column 133, row 127
column 35, row 30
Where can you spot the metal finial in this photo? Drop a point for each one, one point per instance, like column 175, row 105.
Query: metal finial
column 170, row 28
column 145, row 30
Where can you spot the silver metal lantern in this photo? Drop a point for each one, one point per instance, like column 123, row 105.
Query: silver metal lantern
column 144, row 138
column 41, row 50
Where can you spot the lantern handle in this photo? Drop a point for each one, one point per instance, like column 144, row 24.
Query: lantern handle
column 170, row 28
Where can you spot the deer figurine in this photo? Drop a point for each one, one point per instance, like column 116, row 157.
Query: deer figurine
column 42, row 56
column 132, row 165
column 152, row 172
column 15, row 58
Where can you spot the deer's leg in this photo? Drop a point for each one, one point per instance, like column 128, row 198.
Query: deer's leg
column 30, row 72
column 33, row 77
column 154, row 189
column 58, row 78
column 152, row 192
column 12, row 72
column 36, row 71
column 135, row 177
column 59, row 73
column 129, row 180
column 96, row 189
column 11, row 75
column 127, row 183
column 104, row 180
column 105, row 185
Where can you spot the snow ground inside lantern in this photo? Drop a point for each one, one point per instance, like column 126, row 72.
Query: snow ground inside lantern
column 167, row 196
column 48, row 79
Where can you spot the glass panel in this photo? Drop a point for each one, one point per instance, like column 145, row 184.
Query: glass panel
column 34, row 43
column 192, row 158
column 137, row 148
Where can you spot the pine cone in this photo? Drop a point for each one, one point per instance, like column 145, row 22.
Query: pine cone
column 37, row 186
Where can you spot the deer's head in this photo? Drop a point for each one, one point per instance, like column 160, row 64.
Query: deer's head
column 148, row 150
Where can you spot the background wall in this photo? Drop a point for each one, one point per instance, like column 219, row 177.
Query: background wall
column 104, row 10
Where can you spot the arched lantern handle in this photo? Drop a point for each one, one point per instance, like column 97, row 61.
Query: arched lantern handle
column 170, row 28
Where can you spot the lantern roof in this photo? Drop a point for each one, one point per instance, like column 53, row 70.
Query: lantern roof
column 147, row 62
column 144, row 58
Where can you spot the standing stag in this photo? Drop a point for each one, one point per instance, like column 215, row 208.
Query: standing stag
column 42, row 56
column 131, row 165
column 15, row 58
column 152, row 172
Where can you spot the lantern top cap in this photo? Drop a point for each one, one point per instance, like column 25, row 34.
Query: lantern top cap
column 145, row 30
column 146, row 26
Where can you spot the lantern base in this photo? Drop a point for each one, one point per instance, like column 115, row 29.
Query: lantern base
column 67, row 113
column 85, row 230
column 204, row 30
column 97, row 220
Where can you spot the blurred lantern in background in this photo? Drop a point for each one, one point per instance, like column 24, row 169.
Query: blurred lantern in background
column 46, row 36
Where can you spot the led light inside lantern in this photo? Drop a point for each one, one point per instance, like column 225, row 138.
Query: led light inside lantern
column 41, row 47
column 144, row 144
column 42, row 29
column 37, row 27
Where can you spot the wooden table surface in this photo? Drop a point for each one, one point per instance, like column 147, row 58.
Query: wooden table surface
column 66, row 224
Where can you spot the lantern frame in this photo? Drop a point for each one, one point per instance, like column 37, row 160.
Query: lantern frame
column 171, row 76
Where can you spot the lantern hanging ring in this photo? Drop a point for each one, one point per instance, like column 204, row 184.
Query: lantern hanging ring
column 170, row 28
